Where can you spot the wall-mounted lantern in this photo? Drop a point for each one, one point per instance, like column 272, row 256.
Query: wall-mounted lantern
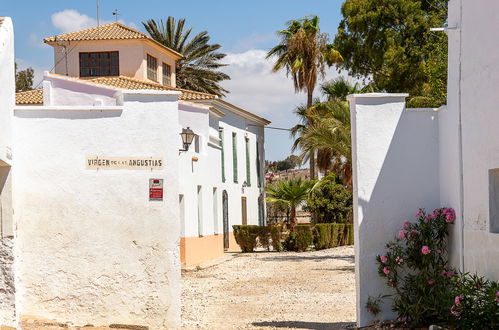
column 187, row 137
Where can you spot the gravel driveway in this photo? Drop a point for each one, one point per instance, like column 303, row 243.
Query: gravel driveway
column 269, row 290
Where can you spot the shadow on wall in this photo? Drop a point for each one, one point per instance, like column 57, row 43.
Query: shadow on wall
column 407, row 178
column 305, row 325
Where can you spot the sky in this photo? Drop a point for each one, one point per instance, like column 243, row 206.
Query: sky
column 245, row 29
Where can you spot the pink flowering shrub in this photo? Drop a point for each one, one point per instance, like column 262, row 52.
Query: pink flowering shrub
column 415, row 265
column 475, row 302
column 425, row 288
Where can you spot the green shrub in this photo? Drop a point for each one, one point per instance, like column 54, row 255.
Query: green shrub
column 290, row 242
column 304, row 237
column 350, row 234
column 475, row 302
column 246, row 237
column 330, row 201
column 334, row 235
column 263, row 233
column 341, row 234
column 275, row 235
column 322, row 236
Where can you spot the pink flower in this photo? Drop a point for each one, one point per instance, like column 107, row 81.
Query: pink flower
column 386, row 271
column 406, row 224
column 402, row 233
column 449, row 273
column 457, row 300
column 439, row 251
column 399, row 260
column 450, row 215
column 420, row 213
column 369, row 309
column 384, row 259
column 454, row 312
column 425, row 250
column 430, row 282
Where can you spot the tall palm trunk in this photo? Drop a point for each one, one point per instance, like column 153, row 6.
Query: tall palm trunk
column 312, row 153
column 292, row 219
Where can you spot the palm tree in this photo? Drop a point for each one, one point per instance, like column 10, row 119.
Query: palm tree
column 198, row 69
column 330, row 136
column 305, row 53
column 291, row 193
column 328, row 131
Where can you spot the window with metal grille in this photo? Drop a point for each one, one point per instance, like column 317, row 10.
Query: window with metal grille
column 234, row 156
column 248, row 168
column 167, row 75
column 221, row 136
column 97, row 64
column 152, row 68
column 258, row 165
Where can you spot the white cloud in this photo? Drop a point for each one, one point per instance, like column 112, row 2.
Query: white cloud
column 70, row 20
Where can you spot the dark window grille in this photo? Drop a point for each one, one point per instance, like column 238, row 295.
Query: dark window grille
column 97, row 64
column 167, row 75
column 152, row 68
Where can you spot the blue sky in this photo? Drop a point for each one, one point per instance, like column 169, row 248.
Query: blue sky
column 245, row 29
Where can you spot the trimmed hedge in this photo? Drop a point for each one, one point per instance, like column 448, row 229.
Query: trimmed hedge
column 322, row 236
column 304, row 237
column 275, row 235
column 246, row 236
column 263, row 233
column 328, row 235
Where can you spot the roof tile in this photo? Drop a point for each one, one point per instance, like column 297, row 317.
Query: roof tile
column 112, row 31
column 119, row 82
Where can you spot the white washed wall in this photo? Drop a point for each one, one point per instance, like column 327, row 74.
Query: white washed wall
column 103, row 253
column 207, row 171
column 7, row 100
column 7, row 90
column 395, row 166
column 478, row 70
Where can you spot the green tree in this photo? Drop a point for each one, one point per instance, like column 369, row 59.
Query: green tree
column 325, row 127
column 330, row 201
column 24, row 79
column 330, row 136
column 390, row 42
column 291, row 193
column 198, row 70
column 305, row 53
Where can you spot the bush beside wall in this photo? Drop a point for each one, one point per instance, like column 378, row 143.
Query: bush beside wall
column 246, row 237
column 304, row 237
column 321, row 236
column 275, row 235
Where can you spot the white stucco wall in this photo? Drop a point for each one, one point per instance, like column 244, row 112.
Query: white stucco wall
column 475, row 86
column 395, row 171
column 132, row 57
column 103, row 253
column 7, row 90
column 7, row 100
column 207, row 172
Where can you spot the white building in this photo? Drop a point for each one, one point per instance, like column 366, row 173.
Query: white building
column 107, row 203
column 448, row 157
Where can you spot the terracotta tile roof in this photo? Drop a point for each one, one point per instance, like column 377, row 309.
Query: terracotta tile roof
column 119, row 82
column 123, row 82
column 30, row 97
column 112, row 31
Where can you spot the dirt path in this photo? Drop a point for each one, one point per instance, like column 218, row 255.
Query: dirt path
column 267, row 290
